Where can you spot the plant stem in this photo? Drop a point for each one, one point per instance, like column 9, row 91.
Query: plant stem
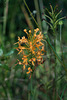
column 38, row 13
column 5, row 17
column 31, row 88
column 62, row 57
column 1, row 39
column 55, row 83
column 27, row 17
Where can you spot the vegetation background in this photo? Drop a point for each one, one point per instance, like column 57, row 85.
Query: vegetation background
column 14, row 83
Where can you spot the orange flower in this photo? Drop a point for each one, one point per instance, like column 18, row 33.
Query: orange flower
column 42, row 48
column 23, row 67
column 29, row 70
column 19, row 62
column 20, row 48
column 32, row 60
column 36, row 30
column 25, row 59
column 25, row 31
column 35, row 35
column 31, row 46
column 29, row 31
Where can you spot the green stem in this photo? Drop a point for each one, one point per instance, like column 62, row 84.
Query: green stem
column 28, row 96
column 31, row 88
column 30, row 13
column 5, row 16
column 1, row 39
column 62, row 57
column 55, row 66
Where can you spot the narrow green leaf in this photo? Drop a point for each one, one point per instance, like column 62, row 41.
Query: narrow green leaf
column 49, row 18
column 59, row 20
column 49, row 12
column 49, row 24
column 58, row 13
column 63, row 90
column 51, row 9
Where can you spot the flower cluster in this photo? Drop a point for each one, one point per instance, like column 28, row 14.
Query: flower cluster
column 31, row 50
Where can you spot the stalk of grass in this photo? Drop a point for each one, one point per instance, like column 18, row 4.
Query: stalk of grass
column 62, row 57
column 38, row 13
column 5, row 16
column 27, row 17
column 30, row 94
column 55, row 83
column 1, row 39
column 30, row 13
column 4, row 21
column 44, row 25
column 63, row 92
column 8, row 94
